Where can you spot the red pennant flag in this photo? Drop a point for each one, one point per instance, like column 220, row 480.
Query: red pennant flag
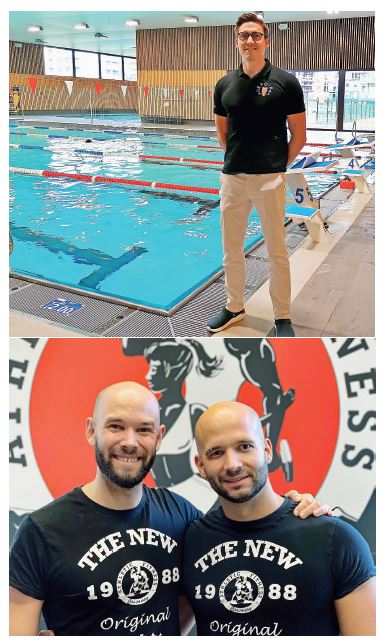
column 32, row 83
column 98, row 87
column 209, row 93
column 181, row 92
column 145, row 89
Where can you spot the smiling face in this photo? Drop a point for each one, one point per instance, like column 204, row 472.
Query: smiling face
column 251, row 50
column 233, row 454
column 126, row 433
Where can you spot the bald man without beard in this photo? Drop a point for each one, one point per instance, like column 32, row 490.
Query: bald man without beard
column 250, row 567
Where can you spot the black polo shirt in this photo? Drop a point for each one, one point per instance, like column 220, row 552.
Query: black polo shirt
column 257, row 109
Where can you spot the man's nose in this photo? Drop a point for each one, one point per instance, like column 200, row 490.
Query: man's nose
column 232, row 461
column 129, row 438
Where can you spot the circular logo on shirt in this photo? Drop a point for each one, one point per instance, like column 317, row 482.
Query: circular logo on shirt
column 264, row 89
column 316, row 398
column 136, row 582
column 241, row 592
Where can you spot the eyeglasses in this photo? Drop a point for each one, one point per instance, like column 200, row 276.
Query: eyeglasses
column 256, row 36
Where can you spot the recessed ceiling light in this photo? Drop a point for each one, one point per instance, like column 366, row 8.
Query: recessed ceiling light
column 81, row 26
column 34, row 28
column 132, row 23
column 191, row 19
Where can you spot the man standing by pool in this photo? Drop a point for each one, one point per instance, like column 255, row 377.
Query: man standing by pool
column 252, row 106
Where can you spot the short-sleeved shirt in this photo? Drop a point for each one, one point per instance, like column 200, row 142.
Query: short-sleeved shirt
column 257, row 110
column 278, row 575
column 102, row 571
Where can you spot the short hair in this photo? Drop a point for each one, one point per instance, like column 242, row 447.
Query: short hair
column 251, row 17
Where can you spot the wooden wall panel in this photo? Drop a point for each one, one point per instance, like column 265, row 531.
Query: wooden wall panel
column 51, row 94
column 306, row 45
column 180, row 77
column 27, row 59
column 186, row 48
column 193, row 58
column 357, row 44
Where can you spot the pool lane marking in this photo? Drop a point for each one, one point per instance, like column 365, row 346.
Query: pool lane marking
column 107, row 264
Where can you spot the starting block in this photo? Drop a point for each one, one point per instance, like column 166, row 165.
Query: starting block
column 357, row 175
column 313, row 220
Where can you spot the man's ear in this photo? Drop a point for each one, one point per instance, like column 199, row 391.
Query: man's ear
column 199, row 465
column 159, row 437
column 90, row 431
column 268, row 447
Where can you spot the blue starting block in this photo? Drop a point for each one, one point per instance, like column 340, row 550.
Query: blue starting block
column 358, row 176
column 313, row 220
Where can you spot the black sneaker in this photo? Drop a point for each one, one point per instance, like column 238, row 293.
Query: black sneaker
column 223, row 319
column 283, row 328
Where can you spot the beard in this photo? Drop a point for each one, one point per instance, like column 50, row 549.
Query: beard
column 129, row 480
column 259, row 481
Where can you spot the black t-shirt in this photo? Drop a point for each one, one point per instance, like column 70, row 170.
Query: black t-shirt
column 278, row 575
column 102, row 571
column 257, row 110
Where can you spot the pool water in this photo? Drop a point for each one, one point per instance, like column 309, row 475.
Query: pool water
column 142, row 245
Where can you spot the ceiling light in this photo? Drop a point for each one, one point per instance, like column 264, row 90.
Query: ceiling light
column 81, row 26
column 191, row 19
column 132, row 23
column 34, row 28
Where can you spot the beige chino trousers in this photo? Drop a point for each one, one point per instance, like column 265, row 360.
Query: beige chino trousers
column 239, row 194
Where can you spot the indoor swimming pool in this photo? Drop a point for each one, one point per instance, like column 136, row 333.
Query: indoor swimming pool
column 149, row 246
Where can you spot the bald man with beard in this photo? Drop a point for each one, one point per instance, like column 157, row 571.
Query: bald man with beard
column 78, row 559
column 250, row 567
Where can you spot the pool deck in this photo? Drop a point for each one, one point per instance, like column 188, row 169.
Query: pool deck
column 332, row 287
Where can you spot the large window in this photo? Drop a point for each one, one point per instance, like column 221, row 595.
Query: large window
column 130, row 69
column 111, row 66
column 320, row 90
column 58, row 62
column 86, row 64
column 359, row 99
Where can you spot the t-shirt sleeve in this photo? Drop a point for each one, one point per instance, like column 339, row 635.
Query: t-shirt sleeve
column 29, row 563
column 218, row 106
column 352, row 561
column 295, row 100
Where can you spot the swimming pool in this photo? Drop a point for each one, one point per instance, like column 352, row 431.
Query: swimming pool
column 146, row 246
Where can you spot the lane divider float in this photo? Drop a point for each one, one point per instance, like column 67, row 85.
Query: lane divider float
column 106, row 179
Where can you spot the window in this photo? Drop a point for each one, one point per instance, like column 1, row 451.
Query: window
column 130, row 69
column 58, row 62
column 359, row 99
column 86, row 64
column 320, row 90
column 111, row 66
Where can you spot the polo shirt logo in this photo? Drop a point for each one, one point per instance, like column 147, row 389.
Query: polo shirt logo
column 264, row 89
